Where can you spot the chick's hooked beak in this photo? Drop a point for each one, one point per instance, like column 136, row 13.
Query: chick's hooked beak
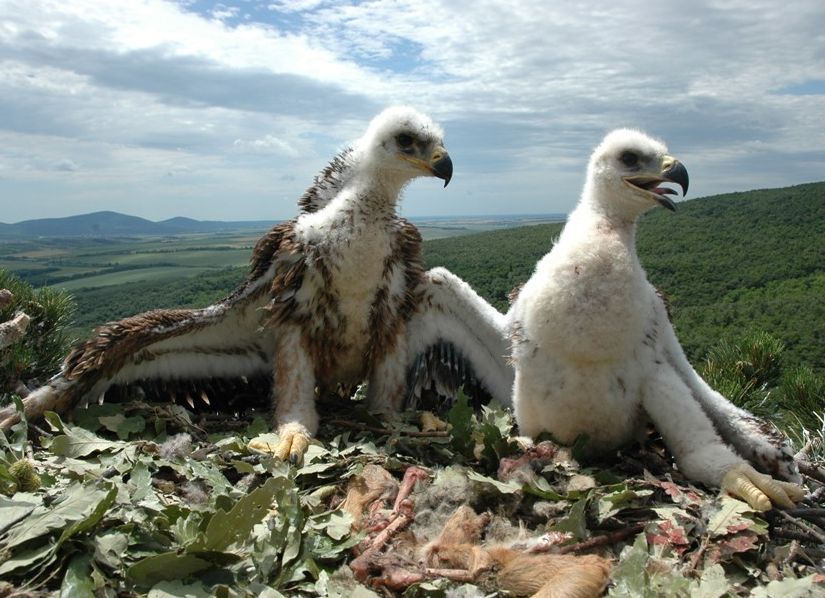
column 440, row 164
column 673, row 171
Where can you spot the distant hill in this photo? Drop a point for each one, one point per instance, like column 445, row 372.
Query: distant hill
column 181, row 225
column 114, row 224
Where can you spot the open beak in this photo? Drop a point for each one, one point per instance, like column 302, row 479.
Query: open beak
column 673, row 171
column 441, row 165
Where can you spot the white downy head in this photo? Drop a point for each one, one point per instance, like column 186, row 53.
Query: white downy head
column 625, row 173
column 401, row 144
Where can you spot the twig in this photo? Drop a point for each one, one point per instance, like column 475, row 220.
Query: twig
column 790, row 534
column 815, row 515
column 604, row 540
column 806, row 512
column 817, row 495
column 40, row 431
column 796, row 552
column 385, row 431
column 811, row 470
column 793, row 553
column 804, row 526
column 21, row 389
column 802, row 454
column 813, row 553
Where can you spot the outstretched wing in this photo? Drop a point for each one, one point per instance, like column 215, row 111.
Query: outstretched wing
column 227, row 340
column 753, row 438
column 162, row 345
column 456, row 339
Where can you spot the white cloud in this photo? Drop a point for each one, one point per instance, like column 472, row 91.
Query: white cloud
column 64, row 165
column 267, row 144
column 247, row 100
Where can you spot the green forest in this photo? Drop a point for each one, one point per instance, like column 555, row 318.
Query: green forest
column 729, row 264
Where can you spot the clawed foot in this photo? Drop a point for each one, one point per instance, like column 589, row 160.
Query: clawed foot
column 431, row 422
column 759, row 490
column 293, row 440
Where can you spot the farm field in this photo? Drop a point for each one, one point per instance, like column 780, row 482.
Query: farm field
column 75, row 263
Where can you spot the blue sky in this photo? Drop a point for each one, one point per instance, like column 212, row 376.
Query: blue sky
column 226, row 110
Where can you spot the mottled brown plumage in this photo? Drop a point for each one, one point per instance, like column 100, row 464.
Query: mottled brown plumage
column 327, row 183
column 328, row 302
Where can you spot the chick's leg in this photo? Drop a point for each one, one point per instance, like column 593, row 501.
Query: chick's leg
column 387, row 382
column 699, row 451
column 758, row 441
column 294, row 396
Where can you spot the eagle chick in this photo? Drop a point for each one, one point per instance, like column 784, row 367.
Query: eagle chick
column 334, row 297
column 596, row 355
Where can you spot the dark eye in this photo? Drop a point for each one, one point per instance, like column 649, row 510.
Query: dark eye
column 404, row 141
column 629, row 159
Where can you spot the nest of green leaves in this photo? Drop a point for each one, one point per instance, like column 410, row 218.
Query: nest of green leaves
column 135, row 498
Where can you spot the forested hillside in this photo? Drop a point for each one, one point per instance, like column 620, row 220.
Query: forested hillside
column 752, row 260
column 728, row 263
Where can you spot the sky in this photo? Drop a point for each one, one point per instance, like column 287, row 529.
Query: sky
column 226, row 110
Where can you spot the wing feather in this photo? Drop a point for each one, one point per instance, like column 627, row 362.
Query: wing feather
column 456, row 339
column 221, row 341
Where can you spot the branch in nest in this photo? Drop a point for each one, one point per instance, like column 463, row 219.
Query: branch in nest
column 811, row 470
column 808, row 529
column 816, row 496
column 792, row 534
column 805, row 451
column 604, row 540
column 814, row 515
column 387, row 432
column 13, row 330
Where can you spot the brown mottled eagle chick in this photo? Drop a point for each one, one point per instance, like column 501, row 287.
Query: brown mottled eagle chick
column 336, row 296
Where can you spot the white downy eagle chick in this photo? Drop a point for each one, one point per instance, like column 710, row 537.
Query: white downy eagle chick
column 596, row 356
column 334, row 297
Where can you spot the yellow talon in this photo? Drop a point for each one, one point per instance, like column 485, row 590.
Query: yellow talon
column 759, row 490
column 293, row 441
column 431, row 422
column 262, row 446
